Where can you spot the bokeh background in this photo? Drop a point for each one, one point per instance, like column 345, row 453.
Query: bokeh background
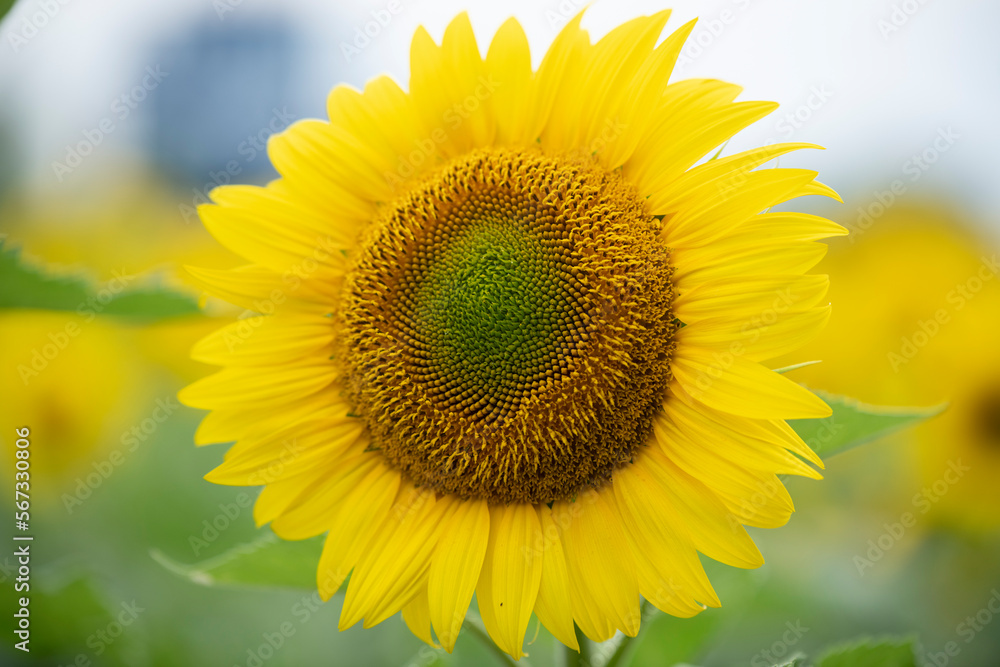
column 117, row 119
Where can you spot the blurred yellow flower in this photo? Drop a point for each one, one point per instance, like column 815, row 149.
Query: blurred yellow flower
column 74, row 383
column 125, row 223
column 917, row 322
column 81, row 379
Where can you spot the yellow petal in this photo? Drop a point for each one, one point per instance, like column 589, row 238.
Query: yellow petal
column 753, row 296
column 509, row 63
column 450, row 91
column 731, row 258
column 265, row 340
column 756, row 498
column 626, row 80
column 242, row 387
column 416, row 615
column 288, row 452
column 560, row 77
column 711, row 209
column 354, row 526
column 553, row 606
column 555, row 69
column 764, row 335
column 329, row 168
column 262, row 290
column 638, row 112
column 733, row 384
column 275, row 498
column 692, row 121
column 320, row 507
column 511, row 572
column 714, row 530
column 770, row 430
column 786, row 227
column 279, row 233
column 736, row 439
column 602, row 580
column 391, row 571
column 719, row 175
column 670, row 575
column 455, row 568
column 238, row 422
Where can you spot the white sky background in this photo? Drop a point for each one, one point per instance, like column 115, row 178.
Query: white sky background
column 888, row 95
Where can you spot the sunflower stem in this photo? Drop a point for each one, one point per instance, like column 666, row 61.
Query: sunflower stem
column 619, row 651
column 626, row 642
column 474, row 628
column 581, row 658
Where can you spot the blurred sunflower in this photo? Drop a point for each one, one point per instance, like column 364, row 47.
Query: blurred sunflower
column 43, row 356
column 930, row 337
column 510, row 339
column 81, row 378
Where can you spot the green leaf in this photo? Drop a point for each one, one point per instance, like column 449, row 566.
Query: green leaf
column 871, row 653
column 859, row 653
column 151, row 304
column 23, row 285
column 5, row 6
column 669, row 640
column 854, row 423
column 719, row 152
column 266, row 562
column 793, row 367
column 797, row 660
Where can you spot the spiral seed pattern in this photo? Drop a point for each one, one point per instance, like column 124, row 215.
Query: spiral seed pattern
column 508, row 327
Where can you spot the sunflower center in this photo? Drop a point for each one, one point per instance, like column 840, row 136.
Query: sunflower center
column 494, row 311
column 508, row 328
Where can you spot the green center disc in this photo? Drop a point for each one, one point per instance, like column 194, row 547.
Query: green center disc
column 491, row 316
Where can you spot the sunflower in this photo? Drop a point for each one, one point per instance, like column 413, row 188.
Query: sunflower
column 931, row 331
column 43, row 356
column 509, row 339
